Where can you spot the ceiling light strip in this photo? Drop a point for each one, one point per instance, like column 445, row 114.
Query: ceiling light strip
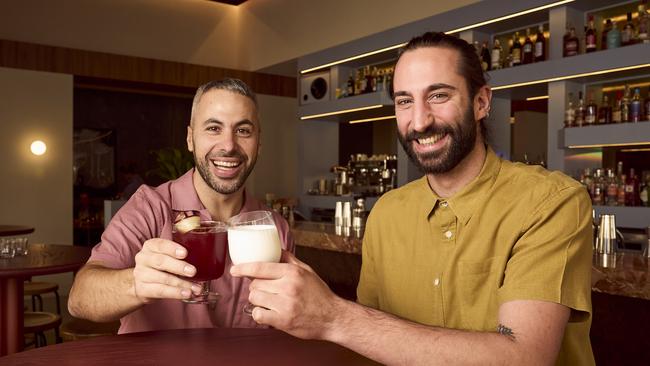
column 608, row 145
column 541, row 97
column 311, row 116
column 353, row 58
column 510, row 16
column 635, row 150
column 371, row 119
column 567, row 77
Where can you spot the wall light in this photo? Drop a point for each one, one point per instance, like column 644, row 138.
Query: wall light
column 341, row 112
column 471, row 26
column 608, row 145
column 371, row 119
column 537, row 98
column 38, row 147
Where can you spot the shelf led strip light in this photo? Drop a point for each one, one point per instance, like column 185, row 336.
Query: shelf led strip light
column 341, row 111
column 468, row 27
column 371, row 119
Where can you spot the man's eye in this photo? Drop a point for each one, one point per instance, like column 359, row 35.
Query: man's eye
column 438, row 97
column 213, row 128
column 403, row 102
column 244, row 131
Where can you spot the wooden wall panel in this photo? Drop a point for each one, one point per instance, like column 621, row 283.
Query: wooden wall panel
column 100, row 65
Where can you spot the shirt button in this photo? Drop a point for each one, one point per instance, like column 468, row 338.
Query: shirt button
column 443, row 203
column 436, row 282
column 448, row 234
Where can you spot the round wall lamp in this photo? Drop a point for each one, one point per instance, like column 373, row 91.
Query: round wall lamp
column 38, row 147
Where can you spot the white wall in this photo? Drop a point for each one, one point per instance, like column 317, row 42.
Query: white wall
column 275, row 171
column 37, row 191
column 254, row 35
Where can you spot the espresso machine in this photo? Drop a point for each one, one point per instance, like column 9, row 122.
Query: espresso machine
column 371, row 175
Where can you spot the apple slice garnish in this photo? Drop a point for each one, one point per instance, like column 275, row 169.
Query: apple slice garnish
column 186, row 222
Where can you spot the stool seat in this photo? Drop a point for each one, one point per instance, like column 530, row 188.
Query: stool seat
column 77, row 329
column 39, row 288
column 40, row 321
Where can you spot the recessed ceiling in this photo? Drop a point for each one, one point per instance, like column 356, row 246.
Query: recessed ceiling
column 229, row 2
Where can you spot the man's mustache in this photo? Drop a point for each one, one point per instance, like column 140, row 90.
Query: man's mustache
column 430, row 131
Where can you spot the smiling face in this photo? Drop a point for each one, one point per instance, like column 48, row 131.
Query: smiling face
column 224, row 137
column 436, row 117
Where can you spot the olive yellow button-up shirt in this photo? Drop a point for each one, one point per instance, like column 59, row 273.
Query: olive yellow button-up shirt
column 516, row 232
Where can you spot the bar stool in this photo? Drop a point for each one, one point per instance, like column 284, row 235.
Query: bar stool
column 36, row 289
column 37, row 322
column 77, row 329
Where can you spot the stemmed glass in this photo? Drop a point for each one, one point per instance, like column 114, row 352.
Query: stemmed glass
column 253, row 237
column 206, row 243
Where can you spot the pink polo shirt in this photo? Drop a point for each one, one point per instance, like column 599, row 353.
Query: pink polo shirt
column 148, row 214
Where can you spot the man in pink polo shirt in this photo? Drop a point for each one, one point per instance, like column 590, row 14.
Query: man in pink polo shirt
column 134, row 273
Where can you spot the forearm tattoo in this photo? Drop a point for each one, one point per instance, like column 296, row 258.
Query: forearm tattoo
column 502, row 329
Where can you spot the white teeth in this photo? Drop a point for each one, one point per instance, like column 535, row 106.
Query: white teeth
column 225, row 164
column 431, row 140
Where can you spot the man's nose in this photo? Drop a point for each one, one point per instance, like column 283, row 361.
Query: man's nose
column 228, row 141
column 422, row 116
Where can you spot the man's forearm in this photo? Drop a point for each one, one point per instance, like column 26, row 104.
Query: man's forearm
column 394, row 341
column 103, row 294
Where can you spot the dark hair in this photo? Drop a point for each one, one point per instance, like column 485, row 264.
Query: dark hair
column 469, row 65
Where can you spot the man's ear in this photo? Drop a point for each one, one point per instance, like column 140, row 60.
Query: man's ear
column 190, row 141
column 482, row 103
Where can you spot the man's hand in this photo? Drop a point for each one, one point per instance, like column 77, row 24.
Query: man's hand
column 289, row 296
column 157, row 267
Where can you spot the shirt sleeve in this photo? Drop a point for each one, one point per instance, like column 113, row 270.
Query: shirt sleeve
column 367, row 288
column 141, row 218
column 552, row 259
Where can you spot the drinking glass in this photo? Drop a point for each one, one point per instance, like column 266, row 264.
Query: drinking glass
column 253, row 237
column 206, row 250
column 20, row 246
column 7, row 249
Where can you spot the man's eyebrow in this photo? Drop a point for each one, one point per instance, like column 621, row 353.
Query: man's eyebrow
column 212, row 120
column 430, row 88
column 244, row 122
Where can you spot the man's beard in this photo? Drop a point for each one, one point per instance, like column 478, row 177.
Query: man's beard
column 462, row 140
column 234, row 184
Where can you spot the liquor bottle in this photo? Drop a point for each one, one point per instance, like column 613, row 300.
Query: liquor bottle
column 635, row 106
column 647, row 106
column 620, row 201
column 369, row 79
column 540, row 45
column 496, row 55
column 580, row 111
column 591, row 112
column 603, row 37
column 644, row 192
column 570, row 114
column 627, row 37
column 571, row 45
column 590, row 36
column 598, row 188
column 379, row 81
column 486, row 58
column 357, row 83
column 612, row 189
column 350, row 89
column 625, row 105
column 616, row 111
column 605, row 111
column 644, row 24
column 614, row 37
column 375, row 76
column 527, row 50
column 632, row 189
column 516, row 50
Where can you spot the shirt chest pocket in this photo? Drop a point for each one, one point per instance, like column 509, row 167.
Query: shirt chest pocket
column 478, row 283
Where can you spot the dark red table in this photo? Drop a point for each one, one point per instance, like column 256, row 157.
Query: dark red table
column 42, row 259
column 213, row 346
column 11, row 230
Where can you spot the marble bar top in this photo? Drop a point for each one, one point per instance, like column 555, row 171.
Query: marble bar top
column 625, row 274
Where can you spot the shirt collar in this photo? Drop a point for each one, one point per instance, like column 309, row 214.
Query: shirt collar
column 465, row 202
column 185, row 198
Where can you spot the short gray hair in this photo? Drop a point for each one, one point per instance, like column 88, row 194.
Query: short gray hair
column 230, row 84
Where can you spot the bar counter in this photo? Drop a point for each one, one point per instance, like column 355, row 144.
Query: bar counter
column 630, row 276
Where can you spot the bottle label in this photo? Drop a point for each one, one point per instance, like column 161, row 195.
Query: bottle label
column 571, row 48
column 516, row 56
column 496, row 58
column 539, row 49
column 528, row 48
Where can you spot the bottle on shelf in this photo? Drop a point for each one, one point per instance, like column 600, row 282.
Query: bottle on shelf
column 598, row 188
column 603, row 37
column 590, row 36
column 620, row 201
column 350, row 87
column 486, row 58
column 636, row 107
column 627, row 37
column 612, row 189
column 379, row 81
column 632, row 189
column 614, row 37
column 625, row 105
column 591, row 111
column 369, row 79
column 616, row 110
column 647, row 106
column 357, row 83
column 374, row 77
column 644, row 23
column 644, row 192
column 580, row 111
column 496, row 55
column 527, row 49
column 540, row 45
column 570, row 113
column 570, row 45
column 515, row 51
column 605, row 111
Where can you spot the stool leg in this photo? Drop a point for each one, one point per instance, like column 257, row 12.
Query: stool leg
column 58, row 302
column 40, row 302
column 33, row 303
column 57, row 336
